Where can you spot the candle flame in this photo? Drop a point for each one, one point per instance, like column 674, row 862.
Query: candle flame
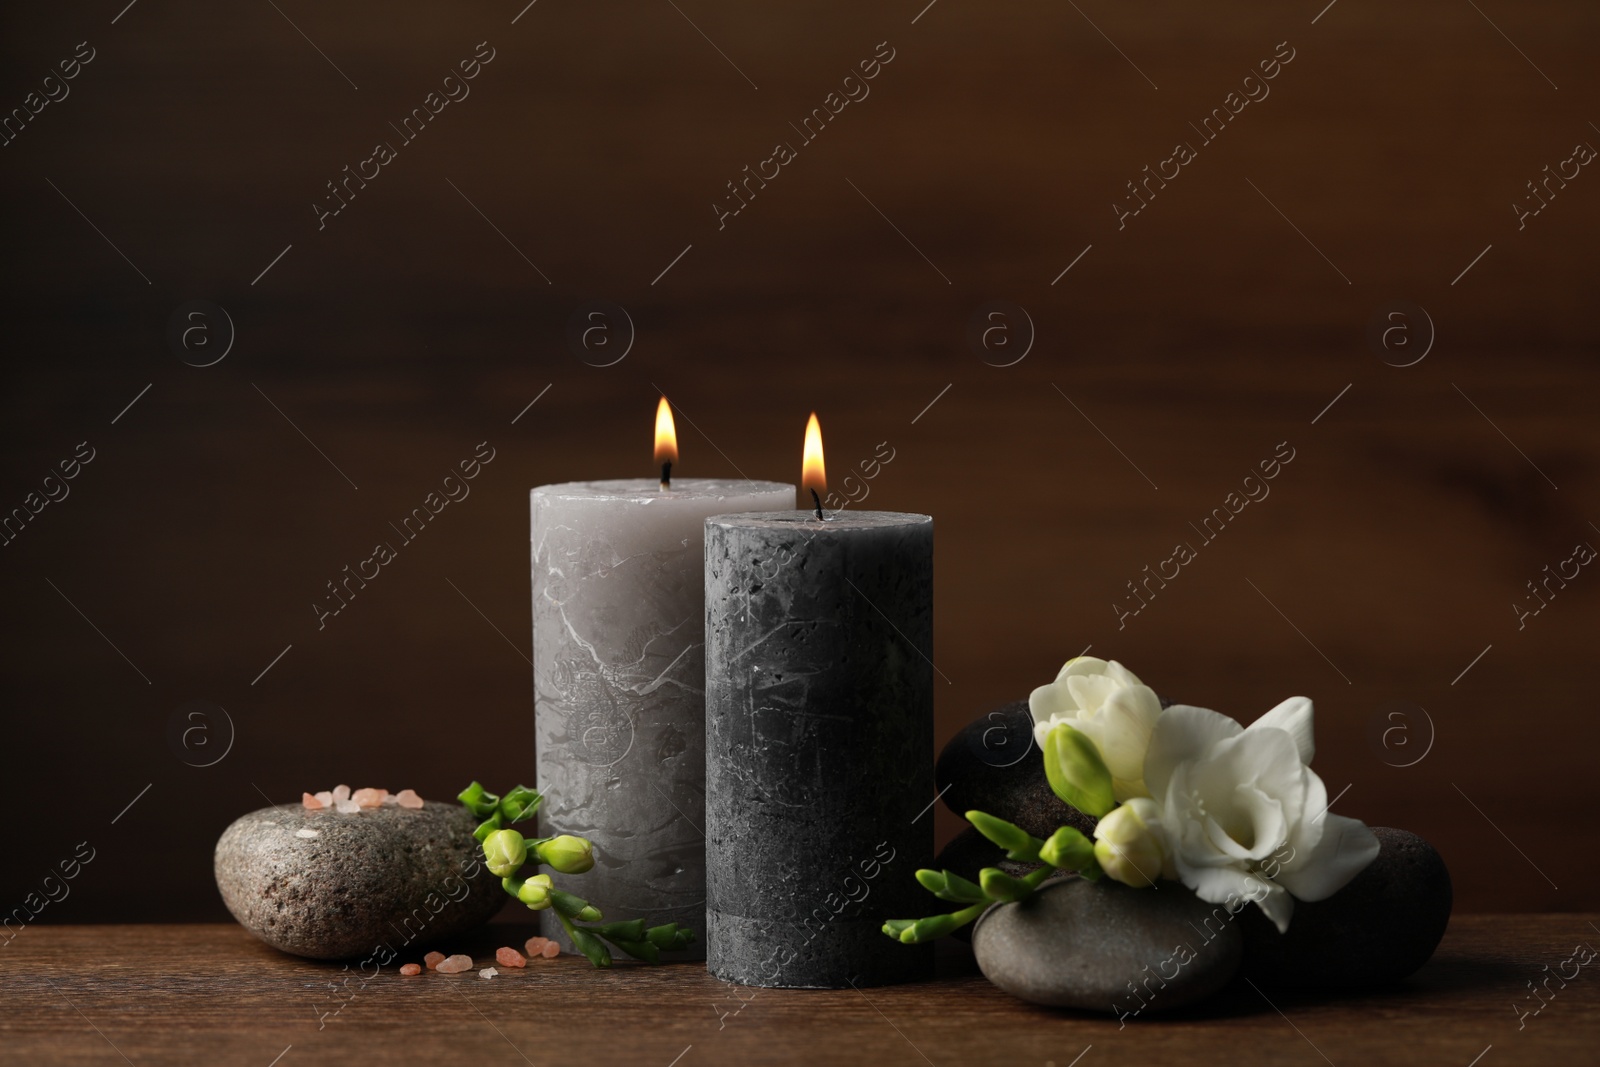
column 812, row 473
column 666, row 434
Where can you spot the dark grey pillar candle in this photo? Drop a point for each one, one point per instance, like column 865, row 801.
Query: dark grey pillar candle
column 819, row 746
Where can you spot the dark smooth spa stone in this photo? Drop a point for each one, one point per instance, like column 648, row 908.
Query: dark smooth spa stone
column 371, row 884
column 993, row 766
column 1105, row 947
column 1375, row 931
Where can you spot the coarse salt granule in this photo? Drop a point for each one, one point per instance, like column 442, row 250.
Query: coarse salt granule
column 369, row 798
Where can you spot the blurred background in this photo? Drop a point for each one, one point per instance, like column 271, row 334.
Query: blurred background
column 1142, row 365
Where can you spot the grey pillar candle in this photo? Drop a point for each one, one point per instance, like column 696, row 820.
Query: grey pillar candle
column 619, row 682
column 819, row 745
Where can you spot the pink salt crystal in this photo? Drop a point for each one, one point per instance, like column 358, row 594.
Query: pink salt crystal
column 389, row 800
column 326, row 797
column 488, row 972
column 341, row 792
column 506, row 956
column 408, row 798
column 433, row 959
column 369, row 798
column 551, row 950
column 410, row 969
column 348, row 807
column 455, row 964
column 535, row 945
column 311, row 803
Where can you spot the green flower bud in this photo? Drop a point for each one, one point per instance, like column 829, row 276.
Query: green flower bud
column 670, row 936
column 534, row 892
column 505, row 851
column 934, row 926
column 639, row 950
column 478, row 800
column 1077, row 773
column 628, row 930
column 567, row 854
column 1068, row 850
column 519, row 804
column 999, row 885
column 947, row 885
column 1130, row 843
column 1018, row 843
column 574, row 907
column 588, row 944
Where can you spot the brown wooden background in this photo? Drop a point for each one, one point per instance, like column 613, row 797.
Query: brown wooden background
column 1195, row 339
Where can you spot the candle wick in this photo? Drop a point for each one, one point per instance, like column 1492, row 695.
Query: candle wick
column 818, row 502
column 666, row 476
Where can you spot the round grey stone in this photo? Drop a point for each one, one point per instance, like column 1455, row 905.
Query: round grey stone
column 1103, row 946
column 372, row 883
column 1375, row 931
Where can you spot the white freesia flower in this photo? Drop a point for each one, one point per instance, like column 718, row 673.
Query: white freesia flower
column 1108, row 704
column 1245, row 818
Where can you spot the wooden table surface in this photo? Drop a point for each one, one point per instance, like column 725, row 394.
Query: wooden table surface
column 211, row 994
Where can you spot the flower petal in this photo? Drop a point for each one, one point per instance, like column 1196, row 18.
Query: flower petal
column 1082, row 665
column 1278, row 906
column 1249, row 825
column 1051, row 700
column 1125, row 723
column 1122, row 675
column 1344, row 851
column 1306, row 830
column 1265, row 759
column 1090, row 691
column 1293, row 715
column 1182, row 732
column 1217, row 885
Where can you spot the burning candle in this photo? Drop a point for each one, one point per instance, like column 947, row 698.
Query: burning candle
column 819, row 740
column 619, row 677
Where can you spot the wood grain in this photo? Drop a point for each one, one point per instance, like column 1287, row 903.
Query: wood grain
column 211, row 994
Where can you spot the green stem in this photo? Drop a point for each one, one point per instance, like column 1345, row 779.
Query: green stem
column 971, row 912
column 1037, row 878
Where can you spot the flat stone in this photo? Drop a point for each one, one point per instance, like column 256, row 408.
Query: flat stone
column 1375, row 931
column 330, row 885
column 1105, row 947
